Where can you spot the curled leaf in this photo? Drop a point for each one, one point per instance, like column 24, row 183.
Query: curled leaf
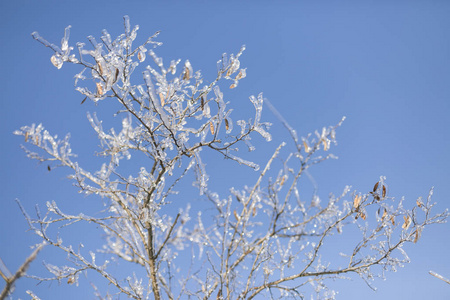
column 383, row 194
column 407, row 222
column 357, row 201
column 307, row 149
column 141, row 56
column 26, row 136
column 375, row 187
column 211, row 127
column 417, row 234
column 241, row 74
column 326, row 145
column 227, row 125
column 419, row 202
column 116, row 75
column 202, row 103
column 363, row 215
column 236, row 215
column 99, row 88
column 100, row 68
column 393, row 220
column 233, row 86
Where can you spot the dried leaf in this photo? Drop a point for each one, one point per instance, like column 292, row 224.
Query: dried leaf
column 357, row 201
column 37, row 140
column 307, row 149
column 241, row 74
column 71, row 280
column 384, row 214
column 162, row 99
column 419, row 202
column 416, row 238
column 116, row 75
column 407, row 222
column 384, row 192
column 230, row 71
column 233, row 86
column 393, row 220
column 187, row 74
column 283, row 179
column 49, row 168
column 99, row 88
column 235, row 215
column 26, row 136
column 254, row 211
column 211, row 127
column 83, row 100
column 202, row 103
column 141, row 56
column 100, row 68
column 363, row 215
column 227, row 125
column 325, row 145
column 376, row 186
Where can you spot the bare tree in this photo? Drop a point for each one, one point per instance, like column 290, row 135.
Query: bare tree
column 259, row 240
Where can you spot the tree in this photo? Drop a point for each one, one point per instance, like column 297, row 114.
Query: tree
column 261, row 239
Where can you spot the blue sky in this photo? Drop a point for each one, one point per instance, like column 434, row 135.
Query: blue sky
column 385, row 65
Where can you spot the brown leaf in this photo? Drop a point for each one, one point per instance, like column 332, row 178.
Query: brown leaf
column 202, row 102
column 325, row 145
column 240, row 75
column 357, row 201
column 416, row 238
column 363, row 215
column 211, row 127
column 384, row 214
column 233, row 86
column 376, row 186
column 71, row 280
column 48, row 168
column 407, row 222
column 140, row 56
column 393, row 220
column 83, row 100
column 99, row 88
column 187, row 74
column 254, row 211
column 100, row 68
column 227, row 126
column 162, row 99
column 419, row 202
column 235, row 215
column 307, row 149
column 37, row 140
column 116, row 75
column 384, row 191
column 283, row 179
column 26, row 136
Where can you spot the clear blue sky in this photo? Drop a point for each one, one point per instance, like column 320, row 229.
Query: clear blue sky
column 383, row 64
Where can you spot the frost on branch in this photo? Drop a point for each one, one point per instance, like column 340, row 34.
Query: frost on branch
column 265, row 238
